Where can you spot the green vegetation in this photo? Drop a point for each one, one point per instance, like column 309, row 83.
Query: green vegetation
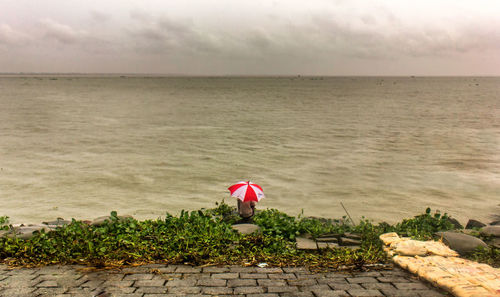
column 489, row 256
column 422, row 227
column 206, row 237
column 4, row 221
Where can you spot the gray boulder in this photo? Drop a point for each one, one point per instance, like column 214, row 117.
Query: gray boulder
column 59, row 222
column 491, row 231
column 27, row 232
column 455, row 223
column 246, row 228
column 462, row 243
column 474, row 224
column 102, row 220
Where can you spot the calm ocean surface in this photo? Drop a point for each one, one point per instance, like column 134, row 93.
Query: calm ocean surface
column 385, row 147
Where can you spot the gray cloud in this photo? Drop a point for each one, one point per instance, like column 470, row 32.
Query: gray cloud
column 258, row 37
column 383, row 36
column 9, row 36
column 387, row 36
column 164, row 35
column 99, row 16
column 61, row 32
column 161, row 34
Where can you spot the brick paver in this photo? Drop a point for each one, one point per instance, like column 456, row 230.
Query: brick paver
column 156, row 280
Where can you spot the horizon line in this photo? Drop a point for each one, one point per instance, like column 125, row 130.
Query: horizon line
column 230, row 75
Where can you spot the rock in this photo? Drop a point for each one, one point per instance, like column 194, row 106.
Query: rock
column 474, row 224
column 389, row 238
column 27, row 232
column 246, row 228
column 461, row 243
column 349, row 241
column 491, row 231
column 324, row 245
column 495, row 223
column 59, row 222
column 309, row 244
column 352, row 236
column 409, row 248
column 305, row 244
column 4, row 233
column 102, row 220
column 327, row 239
column 330, row 235
column 455, row 223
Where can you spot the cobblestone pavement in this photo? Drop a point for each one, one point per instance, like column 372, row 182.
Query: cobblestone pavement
column 178, row 280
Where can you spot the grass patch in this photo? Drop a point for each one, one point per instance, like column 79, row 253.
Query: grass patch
column 205, row 237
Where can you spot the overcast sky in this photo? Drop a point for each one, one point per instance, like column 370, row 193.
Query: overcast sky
column 223, row 37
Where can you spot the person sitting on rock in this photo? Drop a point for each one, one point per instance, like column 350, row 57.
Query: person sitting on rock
column 246, row 210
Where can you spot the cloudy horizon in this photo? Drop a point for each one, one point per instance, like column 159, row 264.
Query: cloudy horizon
column 319, row 37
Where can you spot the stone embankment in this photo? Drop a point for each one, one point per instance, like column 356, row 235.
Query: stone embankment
column 441, row 266
column 466, row 240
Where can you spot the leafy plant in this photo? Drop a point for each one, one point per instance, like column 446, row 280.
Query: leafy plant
column 489, row 256
column 423, row 226
column 4, row 221
column 206, row 237
column 224, row 212
column 278, row 224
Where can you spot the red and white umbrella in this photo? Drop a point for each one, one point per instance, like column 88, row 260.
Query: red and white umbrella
column 246, row 191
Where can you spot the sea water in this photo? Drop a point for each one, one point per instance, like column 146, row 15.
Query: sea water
column 386, row 147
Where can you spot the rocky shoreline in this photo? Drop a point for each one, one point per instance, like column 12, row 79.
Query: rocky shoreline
column 441, row 266
column 27, row 231
column 349, row 241
column 464, row 239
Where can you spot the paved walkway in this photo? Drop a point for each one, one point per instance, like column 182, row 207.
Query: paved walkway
column 178, row 280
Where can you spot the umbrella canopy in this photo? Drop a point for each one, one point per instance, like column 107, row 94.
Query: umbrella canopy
column 246, row 191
